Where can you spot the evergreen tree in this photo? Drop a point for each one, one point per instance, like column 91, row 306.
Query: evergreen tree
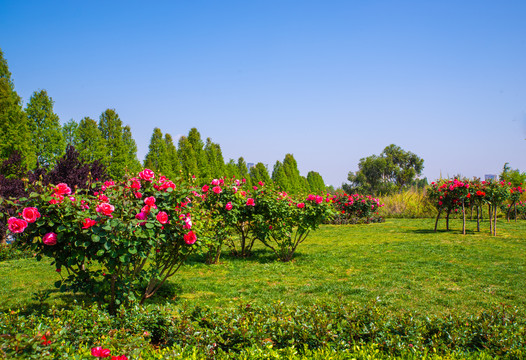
column 315, row 182
column 194, row 137
column 173, row 158
column 231, row 170
column 279, row 177
column 259, row 173
column 14, row 130
column 243, row 170
column 290, row 167
column 45, row 128
column 70, row 133
column 187, row 157
column 133, row 165
column 111, row 128
column 157, row 157
column 220, row 161
column 90, row 144
column 211, row 157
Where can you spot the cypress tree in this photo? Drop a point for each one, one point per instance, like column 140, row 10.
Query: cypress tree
column 194, row 137
column 290, row 167
column 231, row 170
column 157, row 157
column 243, row 170
column 187, row 156
column 173, row 158
column 259, row 173
column 315, row 182
column 211, row 157
column 279, row 177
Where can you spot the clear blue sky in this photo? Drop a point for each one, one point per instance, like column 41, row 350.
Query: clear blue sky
column 328, row 81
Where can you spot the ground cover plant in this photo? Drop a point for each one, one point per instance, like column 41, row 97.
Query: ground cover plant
column 400, row 268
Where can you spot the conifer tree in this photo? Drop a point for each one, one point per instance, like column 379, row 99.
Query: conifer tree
column 315, row 182
column 173, row 158
column 111, row 128
column 133, row 165
column 194, row 138
column 243, row 170
column 187, row 157
column 279, row 177
column 14, row 129
column 90, row 144
column 220, row 161
column 231, row 170
column 290, row 167
column 259, row 173
column 157, row 158
column 211, row 157
column 45, row 128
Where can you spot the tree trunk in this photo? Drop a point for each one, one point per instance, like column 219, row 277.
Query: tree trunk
column 495, row 220
column 463, row 219
column 490, row 219
column 438, row 216
column 447, row 219
column 478, row 219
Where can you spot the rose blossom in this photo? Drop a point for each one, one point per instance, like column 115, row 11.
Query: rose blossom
column 100, row 352
column 205, row 188
column 217, row 189
column 150, row 201
column 228, row 206
column 63, row 189
column 162, row 217
column 147, row 175
column 215, row 182
column 105, row 209
column 30, row 214
column 190, row 238
column 88, row 223
column 250, row 202
column 16, row 225
column 301, row 205
column 50, row 238
column 187, row 222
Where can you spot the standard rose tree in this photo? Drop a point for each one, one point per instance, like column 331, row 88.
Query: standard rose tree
column 114, row 240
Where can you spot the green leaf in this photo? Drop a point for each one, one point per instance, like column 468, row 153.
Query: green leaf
column 95, row 238
column 132, row 250
column 100, row 252
column 150, row 225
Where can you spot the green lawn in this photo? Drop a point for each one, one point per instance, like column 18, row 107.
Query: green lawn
column 401, row 263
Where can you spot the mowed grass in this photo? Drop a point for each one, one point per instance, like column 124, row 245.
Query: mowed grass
column 400, row 264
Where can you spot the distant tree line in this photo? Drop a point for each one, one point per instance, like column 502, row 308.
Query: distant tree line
column 35, row 132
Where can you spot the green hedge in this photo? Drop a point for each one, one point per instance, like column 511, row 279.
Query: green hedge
column 336, row 331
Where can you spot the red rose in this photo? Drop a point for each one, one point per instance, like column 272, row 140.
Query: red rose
column 50, row 239
column 162, row 217
column 16, row 225
column 30, row 214
column 190, row 238
column 105, row 209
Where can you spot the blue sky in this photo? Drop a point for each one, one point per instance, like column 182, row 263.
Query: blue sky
column 328, row 81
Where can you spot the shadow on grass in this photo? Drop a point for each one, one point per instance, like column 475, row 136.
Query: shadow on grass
column 260, row 256
column 439, row 231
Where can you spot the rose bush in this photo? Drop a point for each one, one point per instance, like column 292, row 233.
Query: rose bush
column 113, row 244
column 354, row 208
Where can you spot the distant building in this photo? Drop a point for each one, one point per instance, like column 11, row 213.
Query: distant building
column 488, row 177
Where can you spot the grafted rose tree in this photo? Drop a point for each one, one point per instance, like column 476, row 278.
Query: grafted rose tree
column 496, row 193
column 355, row 207
column 283, row 223
column 119, row 243
column 515, row 198
column 233, row 206
column 450, row 196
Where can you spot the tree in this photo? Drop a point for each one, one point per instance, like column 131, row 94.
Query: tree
column 392, row 170
column 157, row 157
column 515, row 177
column 231, row 170
column 132, row 164
column 110, row 126
column 187, row 157
column 173, row 158
column 91, row 145
column 194, row 138
column 243, row 170
column 315, row 182
column 45, row 128
column 259, row 173
column 70, row 133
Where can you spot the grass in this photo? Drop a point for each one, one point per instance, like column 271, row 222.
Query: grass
column 402, row 264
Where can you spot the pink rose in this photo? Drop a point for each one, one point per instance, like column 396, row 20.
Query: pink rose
column 87, row 223
column 16, row 226
column 205, row 188
column 319, row 199
column 50, row 238
column 57, row 198
column 228, row 206
column 217, row 189
column 147, row 175
column 120, row 357
column 30, row 214
column 63, row 189
column 187, row 222
column 141, row 216
column 215, row 182
column 150, row 201
column 261, row 183
column 190, row 238
column 100, row 352
column 162, row 217
column 301, row 205
column 105, row 209
column 250, row 202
